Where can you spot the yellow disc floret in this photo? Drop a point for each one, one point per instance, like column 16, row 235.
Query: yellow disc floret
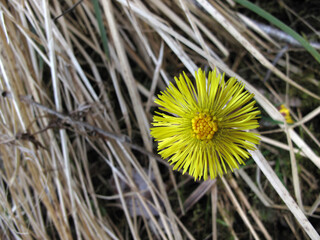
column 204, row 126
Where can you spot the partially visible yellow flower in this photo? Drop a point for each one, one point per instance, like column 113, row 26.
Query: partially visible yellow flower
column 286, row 114
column 202, row 128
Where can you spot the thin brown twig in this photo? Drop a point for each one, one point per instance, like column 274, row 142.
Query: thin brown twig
column 65, row 118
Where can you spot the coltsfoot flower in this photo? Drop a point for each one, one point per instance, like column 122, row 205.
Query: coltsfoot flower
column 202, row 128
column 286, row 114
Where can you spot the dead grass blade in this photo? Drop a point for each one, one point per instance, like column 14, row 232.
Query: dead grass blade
column 76, row 158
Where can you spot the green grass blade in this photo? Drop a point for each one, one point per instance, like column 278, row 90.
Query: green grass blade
column 281, row 25
column 102, row 30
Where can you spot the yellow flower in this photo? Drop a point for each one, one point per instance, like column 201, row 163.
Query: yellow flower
column 202, row 128
column 286, row 114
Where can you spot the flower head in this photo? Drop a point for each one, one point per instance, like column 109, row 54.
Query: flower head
column 286, row 113
column 202, row 128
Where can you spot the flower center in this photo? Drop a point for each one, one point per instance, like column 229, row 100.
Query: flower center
column 204, row 126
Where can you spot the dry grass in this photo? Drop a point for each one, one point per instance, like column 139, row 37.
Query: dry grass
column 77, row 161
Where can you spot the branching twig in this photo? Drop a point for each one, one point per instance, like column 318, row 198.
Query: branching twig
column 65, row 118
